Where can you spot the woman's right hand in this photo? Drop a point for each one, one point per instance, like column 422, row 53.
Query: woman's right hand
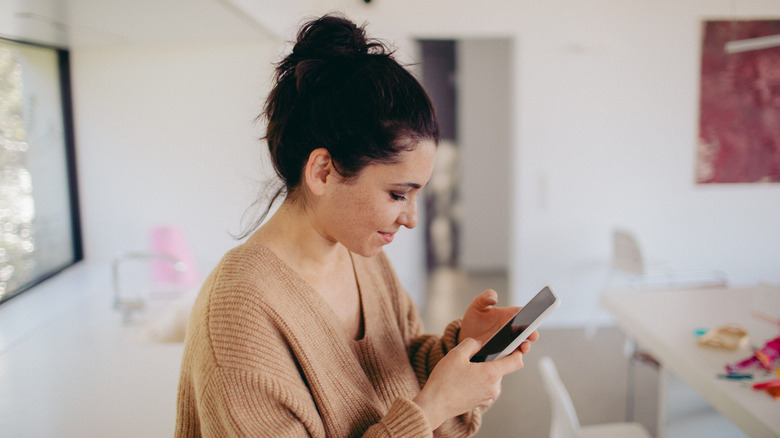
column 457, row 385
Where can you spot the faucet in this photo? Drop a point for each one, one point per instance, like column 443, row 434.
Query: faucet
column 128, row 306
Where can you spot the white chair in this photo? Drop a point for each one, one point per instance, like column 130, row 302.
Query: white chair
column 630, row 270
column 565, row 424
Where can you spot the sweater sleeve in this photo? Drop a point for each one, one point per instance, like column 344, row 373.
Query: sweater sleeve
column 425, row 352
column 230, row 388
column 237, row 404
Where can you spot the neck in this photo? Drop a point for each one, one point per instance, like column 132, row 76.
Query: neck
column 292, row 236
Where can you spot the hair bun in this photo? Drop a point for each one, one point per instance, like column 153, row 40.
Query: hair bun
column 328, row 40
column 331, row 36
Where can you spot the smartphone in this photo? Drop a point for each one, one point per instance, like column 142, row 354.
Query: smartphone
column 516, row 330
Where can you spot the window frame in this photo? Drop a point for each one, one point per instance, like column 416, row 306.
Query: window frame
column 69, row 139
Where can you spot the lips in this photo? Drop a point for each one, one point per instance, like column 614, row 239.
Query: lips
column 388, row 237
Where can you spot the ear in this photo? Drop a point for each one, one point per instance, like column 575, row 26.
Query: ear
column 317, row 170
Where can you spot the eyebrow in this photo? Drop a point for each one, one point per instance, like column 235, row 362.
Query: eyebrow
column 408, row 184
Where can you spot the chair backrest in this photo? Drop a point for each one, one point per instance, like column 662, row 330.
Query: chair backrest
column 626, row 254
column 564, row 422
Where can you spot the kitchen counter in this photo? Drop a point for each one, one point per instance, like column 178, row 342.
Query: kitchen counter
column 69, row 367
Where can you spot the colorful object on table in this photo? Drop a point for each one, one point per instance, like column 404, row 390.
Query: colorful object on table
column 765, row 357
column 772, row 387
column 728, row 337
column 700, row 331
column 735, row 376
column 766, row 317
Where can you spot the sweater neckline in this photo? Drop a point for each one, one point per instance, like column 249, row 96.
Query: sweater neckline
column 328, row 314
column 319, row 342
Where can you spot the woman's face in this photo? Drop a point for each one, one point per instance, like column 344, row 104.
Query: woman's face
column 364, row 213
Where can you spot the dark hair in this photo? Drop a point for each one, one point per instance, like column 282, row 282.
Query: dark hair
column 344, row 92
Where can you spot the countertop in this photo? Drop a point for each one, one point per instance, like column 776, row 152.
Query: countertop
column 69, row 367
column 663, row 324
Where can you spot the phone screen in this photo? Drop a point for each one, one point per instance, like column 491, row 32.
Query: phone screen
column 516, row 326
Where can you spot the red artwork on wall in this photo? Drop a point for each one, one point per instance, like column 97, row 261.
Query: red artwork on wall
column 739, row 119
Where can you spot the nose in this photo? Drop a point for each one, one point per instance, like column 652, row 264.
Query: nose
column 408, row 216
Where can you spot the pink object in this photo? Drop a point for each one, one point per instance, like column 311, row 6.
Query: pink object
column 171, row 241
column 765, row 357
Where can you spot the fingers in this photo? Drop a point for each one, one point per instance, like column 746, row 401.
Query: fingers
column 508, row 364
column 525, row 346
column 511, row 363
column 487, row 298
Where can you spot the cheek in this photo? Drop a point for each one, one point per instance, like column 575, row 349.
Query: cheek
column 374, row 216
column 365, row 209
column 356, row 211
column 370, row 215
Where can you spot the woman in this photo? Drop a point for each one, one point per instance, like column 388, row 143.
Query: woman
column 304, row 330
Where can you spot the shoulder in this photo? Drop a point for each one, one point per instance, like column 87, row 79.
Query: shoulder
column 245, row 263
column 251, row 274
column 238, row 308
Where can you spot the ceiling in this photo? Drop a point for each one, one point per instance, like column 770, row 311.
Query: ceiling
column 80, row 23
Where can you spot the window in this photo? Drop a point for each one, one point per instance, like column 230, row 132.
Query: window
column 39, row 225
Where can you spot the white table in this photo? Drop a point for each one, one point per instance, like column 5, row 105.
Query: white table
column 663, row 324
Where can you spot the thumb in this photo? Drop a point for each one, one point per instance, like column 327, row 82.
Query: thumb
column 468, row 347
column 487, row 298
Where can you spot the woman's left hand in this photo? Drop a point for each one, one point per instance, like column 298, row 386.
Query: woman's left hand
column 482, row 319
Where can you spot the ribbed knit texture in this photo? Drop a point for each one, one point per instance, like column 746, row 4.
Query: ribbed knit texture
column 265, row 356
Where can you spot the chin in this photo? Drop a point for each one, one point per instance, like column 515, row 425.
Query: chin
column 367, row 251
column 369, row 254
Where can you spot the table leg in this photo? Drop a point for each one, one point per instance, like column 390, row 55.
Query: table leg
column 663, row 384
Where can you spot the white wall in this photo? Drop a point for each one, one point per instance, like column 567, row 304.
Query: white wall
column 484, row 69
column 605, row 106
column 605, row 112
column 607, row 131
column 166, row 134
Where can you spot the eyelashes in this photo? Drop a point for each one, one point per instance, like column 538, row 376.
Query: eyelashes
column 397, row 196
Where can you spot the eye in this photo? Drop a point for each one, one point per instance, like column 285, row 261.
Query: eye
column 398, row 196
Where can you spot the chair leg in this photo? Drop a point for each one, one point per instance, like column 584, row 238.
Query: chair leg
column 630, row 390
column 635, row 356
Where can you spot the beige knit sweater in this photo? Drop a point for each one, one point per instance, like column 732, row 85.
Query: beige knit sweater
column 266, row 356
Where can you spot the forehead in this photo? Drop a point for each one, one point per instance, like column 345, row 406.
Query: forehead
column 411, row 166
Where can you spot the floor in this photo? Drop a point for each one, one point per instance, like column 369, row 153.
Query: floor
column 595, row 371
